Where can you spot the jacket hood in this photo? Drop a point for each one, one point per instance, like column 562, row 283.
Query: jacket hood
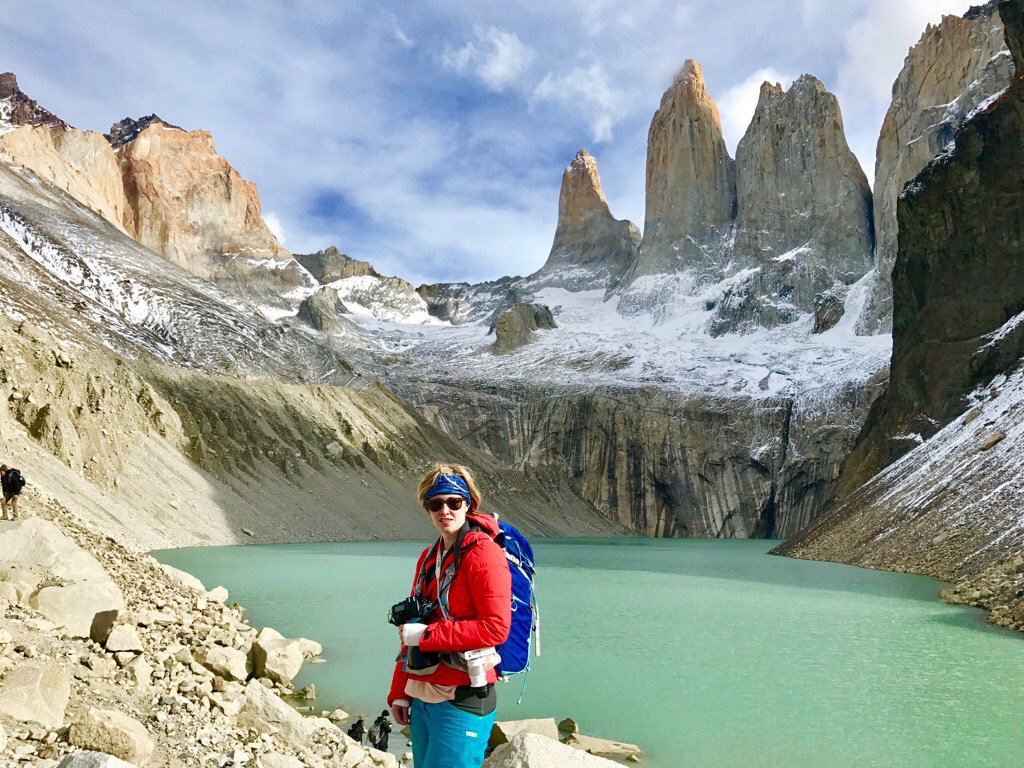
column 487, row 522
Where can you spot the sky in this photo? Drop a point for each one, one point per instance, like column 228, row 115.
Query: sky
column 430, row 137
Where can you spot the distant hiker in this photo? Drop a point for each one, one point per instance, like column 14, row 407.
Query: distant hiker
column 13, row 482
column 357, row 730
column 432, row 690
column 379, row 732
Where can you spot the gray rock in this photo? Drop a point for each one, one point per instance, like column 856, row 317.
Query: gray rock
column 503, row 731
column 267, row 713
column 331, row 264
column 86, row 759
column 516, row 327
column 603, row 747
column 275, row 657
column 530, row 750
column 228, row 663
column 324, row 311
column 124, row 638
column 36, row 692
column 112, row 732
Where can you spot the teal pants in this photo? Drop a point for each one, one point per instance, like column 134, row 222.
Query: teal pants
column 443, row 736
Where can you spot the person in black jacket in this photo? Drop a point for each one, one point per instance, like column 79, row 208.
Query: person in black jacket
column 12, row 483
column 380, row 731
column 357, row 730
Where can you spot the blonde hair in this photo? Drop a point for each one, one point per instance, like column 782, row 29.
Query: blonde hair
column 450, row 469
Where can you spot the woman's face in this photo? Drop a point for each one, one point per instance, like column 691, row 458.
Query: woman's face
column 447, row 520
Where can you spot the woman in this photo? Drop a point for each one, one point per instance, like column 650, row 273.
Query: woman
column 450, row 720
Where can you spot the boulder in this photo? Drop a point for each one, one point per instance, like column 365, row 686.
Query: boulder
column 112, row 732
column 183, row 578
column 603, row 747
column 310, row 648
column 277, row 760
column 531, row 750
column 37, row 692
column 568, row 725
column 124, row 638
column 228, row 663
column 275, row 657
column 32, row 550
column 503, row 731
column 86, row 759
column 324, row 311
column 218, row 595
column 264, row 711
column 515, row 328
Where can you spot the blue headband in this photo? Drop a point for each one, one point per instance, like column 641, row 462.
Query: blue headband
column 449, row 484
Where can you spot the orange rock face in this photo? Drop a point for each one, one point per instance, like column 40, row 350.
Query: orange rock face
column 188, row 204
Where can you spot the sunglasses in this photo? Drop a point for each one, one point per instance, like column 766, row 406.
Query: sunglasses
column 455, row 504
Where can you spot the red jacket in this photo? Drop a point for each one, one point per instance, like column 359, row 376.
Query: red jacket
column 479, row 603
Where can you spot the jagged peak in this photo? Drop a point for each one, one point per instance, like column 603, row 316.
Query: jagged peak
column 689, row 93
column 127, row 130
column 581, row 185
column 16, row 108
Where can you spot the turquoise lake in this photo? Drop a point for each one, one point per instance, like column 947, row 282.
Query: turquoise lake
column 705, row 653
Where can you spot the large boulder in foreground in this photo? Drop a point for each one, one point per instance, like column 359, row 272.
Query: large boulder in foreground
column 503, row 731
column 531, row 750
column 112, row 732
column 76, row 591
column 515, row 328
column 36, row 692
column 323, row 311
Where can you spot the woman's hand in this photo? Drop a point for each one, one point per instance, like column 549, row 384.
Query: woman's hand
column 401, row 713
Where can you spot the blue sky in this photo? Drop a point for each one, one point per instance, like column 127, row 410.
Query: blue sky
column 430, row 137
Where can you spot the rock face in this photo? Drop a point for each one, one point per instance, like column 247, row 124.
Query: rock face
column 516, row 327
column 189, row 205
column 18, row 109
column 79, row 162
column 803, row 209
column 592, row 248
column 331, row 264
column 950, row 506
column 956, row 65
column 664, row 464
column 691, row 183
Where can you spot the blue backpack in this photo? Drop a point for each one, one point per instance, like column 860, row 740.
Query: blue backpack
column 516, row 651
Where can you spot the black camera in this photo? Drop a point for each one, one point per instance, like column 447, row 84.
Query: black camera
column 410, row 610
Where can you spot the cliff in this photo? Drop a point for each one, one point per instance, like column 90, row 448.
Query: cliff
column 956, row 66
column 934, row 483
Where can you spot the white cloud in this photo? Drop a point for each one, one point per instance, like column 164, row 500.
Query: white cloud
column 736, row 106
column 274, row 225
column 498, row 58
column 584, row 91
column 399, row 33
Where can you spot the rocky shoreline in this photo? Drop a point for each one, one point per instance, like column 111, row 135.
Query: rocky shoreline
column 171, row 684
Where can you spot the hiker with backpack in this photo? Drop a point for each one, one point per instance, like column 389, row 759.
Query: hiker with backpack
column 379, row 732
column 460, row 611
column 11, row 483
